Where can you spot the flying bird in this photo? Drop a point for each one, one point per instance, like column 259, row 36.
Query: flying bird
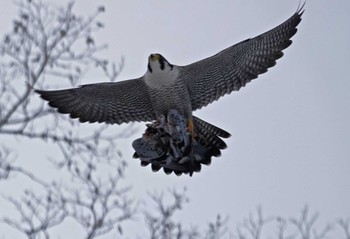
column 167, row 95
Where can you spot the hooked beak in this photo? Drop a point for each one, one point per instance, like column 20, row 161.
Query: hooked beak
column 154, row 57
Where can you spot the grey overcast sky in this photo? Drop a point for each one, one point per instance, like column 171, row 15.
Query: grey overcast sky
column 290, row 128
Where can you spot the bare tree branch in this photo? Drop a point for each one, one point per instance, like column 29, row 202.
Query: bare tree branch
column 99, row 204
column 217, row 229
column 160, row 222
column 48, row 42
column 282, row 225
column 345, row 225
column 253, row 225
column 38, row 212
column 306, row 225
column 6, row 159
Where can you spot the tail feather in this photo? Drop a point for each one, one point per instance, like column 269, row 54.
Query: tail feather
column 210, row 133
column 205, row 126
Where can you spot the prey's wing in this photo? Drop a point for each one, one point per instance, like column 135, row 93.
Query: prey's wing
column 119, row 102
column 209, row 79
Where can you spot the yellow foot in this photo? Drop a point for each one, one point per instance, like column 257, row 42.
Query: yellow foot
column 190, row 127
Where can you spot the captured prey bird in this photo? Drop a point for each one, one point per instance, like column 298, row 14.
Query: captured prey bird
column 167, row 94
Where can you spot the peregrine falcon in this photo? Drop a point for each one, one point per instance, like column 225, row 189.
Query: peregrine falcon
column 167, row 94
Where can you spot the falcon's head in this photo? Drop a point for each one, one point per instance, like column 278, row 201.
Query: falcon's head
column 156, row 62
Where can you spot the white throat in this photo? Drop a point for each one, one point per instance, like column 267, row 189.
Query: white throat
column 158, row 78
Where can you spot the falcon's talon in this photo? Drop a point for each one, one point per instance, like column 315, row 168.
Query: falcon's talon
column 167, row 94
column 190, row 128
column 176, row 150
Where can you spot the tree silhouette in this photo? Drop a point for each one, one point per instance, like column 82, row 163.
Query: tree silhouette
column 53, row 46
column 49, row 43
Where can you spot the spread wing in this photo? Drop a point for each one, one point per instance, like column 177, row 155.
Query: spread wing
column 119, row 102
column 229, row 70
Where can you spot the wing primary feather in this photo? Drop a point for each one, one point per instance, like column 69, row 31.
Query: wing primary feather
column 239, row 64
column 119, row 102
